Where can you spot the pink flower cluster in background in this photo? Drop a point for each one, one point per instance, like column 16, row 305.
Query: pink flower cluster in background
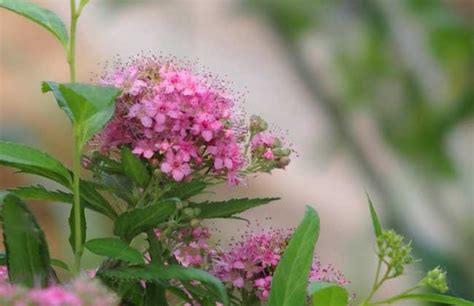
column 188, row 245
column 82, row 291
column 250, row 263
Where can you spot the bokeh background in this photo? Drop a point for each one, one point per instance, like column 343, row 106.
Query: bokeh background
column 377, row 96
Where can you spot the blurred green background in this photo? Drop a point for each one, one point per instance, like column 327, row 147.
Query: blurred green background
column 376, row 95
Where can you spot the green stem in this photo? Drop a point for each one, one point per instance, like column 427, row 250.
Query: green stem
column 77, row 147
column 397, row 297
column 77, row 200
column 71, row 51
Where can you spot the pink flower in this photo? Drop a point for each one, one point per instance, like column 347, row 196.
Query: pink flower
column 53, row 296
column 175, row 165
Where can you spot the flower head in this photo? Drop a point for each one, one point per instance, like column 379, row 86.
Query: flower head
column 185, row 122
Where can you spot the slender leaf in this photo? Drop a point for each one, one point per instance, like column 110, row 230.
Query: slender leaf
column 226, row 209
column 72, row 228
column 375, row 219
column 436, row 298
column 115, row 248
column 134, row 168
column 327, row 294
column 45, row 18
column 89, row 196
column 95, row 201
column 59, row 263
column 39, row 192
column 134, row 222
column 156, row 272
column 31, row 160
column 186, row 190
column 87, row 106
column 27, row 252
column 291, row 276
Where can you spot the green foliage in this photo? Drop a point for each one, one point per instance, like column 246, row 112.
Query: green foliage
column 139, row 220
column 161, row 273
column 31, row 160
column 291, row 276
column 134, row 168
column 39, row 192
column 45, row 18
column 93, row 200
column 89, row 107
column 27, row 252
column 433, row 297
column 375, row 219
column 186, row 190
column 115, row 248
column 226, row 209
column 328, row 294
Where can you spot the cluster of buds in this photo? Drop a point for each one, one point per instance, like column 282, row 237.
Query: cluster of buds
column 394, row 251
column 436, row 279
column 267, row 150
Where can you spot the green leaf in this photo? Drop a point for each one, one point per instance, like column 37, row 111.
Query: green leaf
column 27, row 252
column 59, row 263
column 375, row 219
column 437, row 298
column 139, row 220
column 45, row 18
column 160, row 273
column 115, row 248
column 327, row 294
column 87, row 106
column 38, row 192
column 72, row 228
column 95, row 201
column 30, row 160
column 89, row 196
column 291, row 275
column 186, row 190
column 226, row 209
column 134, row 168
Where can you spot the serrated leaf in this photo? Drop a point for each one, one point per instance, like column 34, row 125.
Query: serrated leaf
column 436, row 298
column 87, row 106
column 375, row 219
column 31, row 160
column 134, row 168
column 45, row 18
column 226, row 209
column 115, row 248
column 186, row 190
column 89, row 196
column 328, row 294
column 27, row 252
column 161, row 273
column 95, row 201
column 291, row 275
column 139, row 220
column 39, row 192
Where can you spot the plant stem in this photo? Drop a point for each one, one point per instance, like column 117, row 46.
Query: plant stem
column 77, row 146
column 76, row 169
column 71, row 51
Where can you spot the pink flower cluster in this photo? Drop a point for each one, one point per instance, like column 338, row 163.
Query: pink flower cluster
column 182, row 121
column 81, row 292
column 188, row 245
column 250, row 263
